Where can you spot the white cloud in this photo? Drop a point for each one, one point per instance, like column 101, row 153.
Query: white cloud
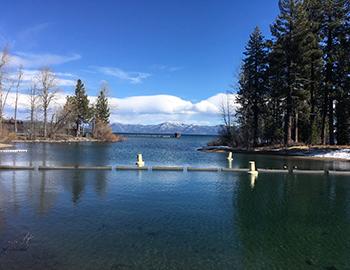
column 29, row 35
column 31, row 60
column 130, row 76
column 166, row 68
column 165, row 104
column 151, row 109
column 30, row 75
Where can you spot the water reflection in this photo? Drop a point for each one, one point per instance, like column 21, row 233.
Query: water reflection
column 149, row 220
column 78, row 186
column 294, row 221
column 253, row 178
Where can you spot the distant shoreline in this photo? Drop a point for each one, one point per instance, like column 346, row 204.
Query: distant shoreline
column 321, row 152
column 64, row 140
column 166, row 135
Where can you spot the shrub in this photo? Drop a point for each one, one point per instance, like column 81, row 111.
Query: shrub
column 103, row 132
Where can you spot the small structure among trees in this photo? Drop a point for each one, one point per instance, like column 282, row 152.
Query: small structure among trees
column 45, row 119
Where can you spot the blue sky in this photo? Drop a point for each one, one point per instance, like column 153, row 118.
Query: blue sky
column 186, row 49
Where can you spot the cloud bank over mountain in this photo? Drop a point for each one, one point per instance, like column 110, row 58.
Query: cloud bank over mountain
column 152, row 109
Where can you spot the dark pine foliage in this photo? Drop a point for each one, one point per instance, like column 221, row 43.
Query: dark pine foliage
column 295, row 88
column 80, row 102
column 102, row 111
column 253, row 88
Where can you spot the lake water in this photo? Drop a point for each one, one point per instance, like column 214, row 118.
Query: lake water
column 169, row 220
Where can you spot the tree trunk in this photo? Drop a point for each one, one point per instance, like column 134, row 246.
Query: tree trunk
column 331, row 121
column 45, row 123
column 313, row 107
column 288, row 122
column 255, row 128
column 32, row 126
column 77, row 131
column 296, row 128
column 324, row 116
column 16, row 104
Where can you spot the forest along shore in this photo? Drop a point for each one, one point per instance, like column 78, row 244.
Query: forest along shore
column 318, row 152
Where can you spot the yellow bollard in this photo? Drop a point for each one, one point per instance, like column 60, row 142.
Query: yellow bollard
column 229, row 157
column 140, row 162
column 252, row 170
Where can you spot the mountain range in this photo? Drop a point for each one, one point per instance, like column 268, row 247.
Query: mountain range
column 166, row 128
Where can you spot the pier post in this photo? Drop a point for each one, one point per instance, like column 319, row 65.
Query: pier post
column 140, row 162
column 252, row 169
column 229, row 156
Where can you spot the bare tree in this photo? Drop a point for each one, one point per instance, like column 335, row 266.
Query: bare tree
column 19, row 80
column 227, row 112
column 5, row 83
column 33, row 100
column 62, row 118
column 48, row 90
column 229, row 134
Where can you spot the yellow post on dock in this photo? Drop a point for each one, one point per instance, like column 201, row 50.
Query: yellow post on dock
column 140, row 162
column 229, row 156
column 252, row 169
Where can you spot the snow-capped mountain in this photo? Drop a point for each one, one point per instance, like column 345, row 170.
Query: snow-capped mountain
column 166, row 128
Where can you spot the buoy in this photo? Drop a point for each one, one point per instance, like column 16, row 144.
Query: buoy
column 252, row 170
column 229, row 157
column 140, row 162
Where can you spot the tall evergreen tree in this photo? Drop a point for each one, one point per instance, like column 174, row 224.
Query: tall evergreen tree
column 253, row 86
column 312, row 70
column 333, row 17
column 102, row 112
column 342, row 95
column 81, row 104
column 305, row 83
column 274, row 117
column 288, row 33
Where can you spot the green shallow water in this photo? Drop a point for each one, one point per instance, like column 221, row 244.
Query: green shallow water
column 169, row 220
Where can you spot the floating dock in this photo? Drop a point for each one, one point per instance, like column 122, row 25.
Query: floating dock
column 171, row 168
column 41, row 168
column 13, row 151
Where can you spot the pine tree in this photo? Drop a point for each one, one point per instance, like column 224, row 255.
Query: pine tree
column 342, row 72
column 81, row 105
column 306, row 81
column 253, row 87
column 312, row 70
column 333, row 18
column 274, row 116
column 288, row 31
column 102, row 111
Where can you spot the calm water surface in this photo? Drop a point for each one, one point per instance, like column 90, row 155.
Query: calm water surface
column 169, row 220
